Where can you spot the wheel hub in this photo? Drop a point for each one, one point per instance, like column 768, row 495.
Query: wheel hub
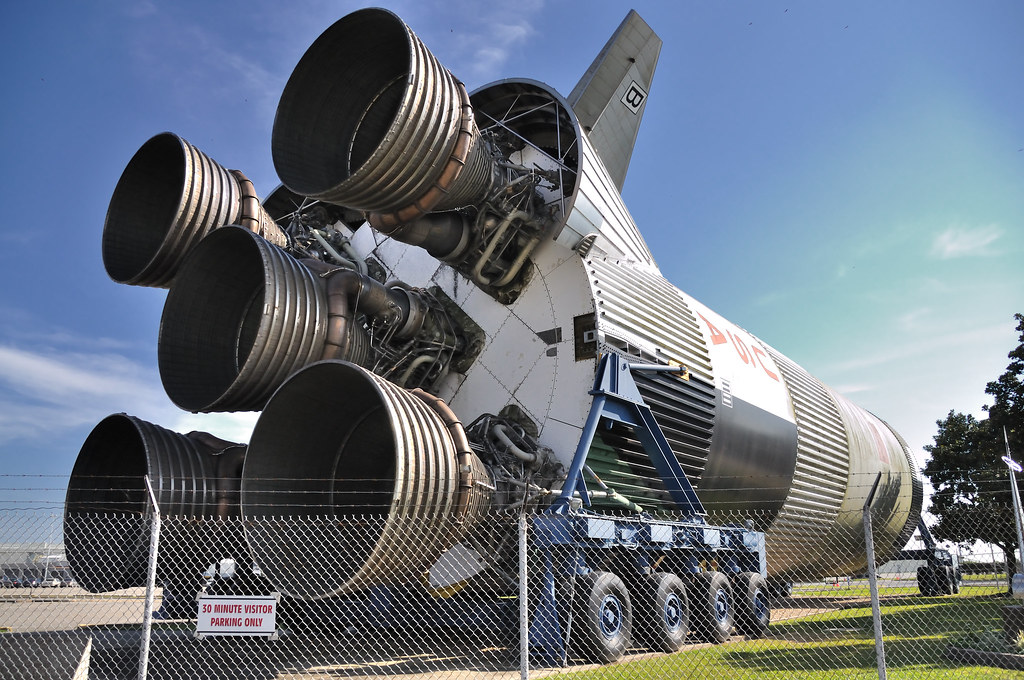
column 673, row 611
column 611, row 616
column 721, row 605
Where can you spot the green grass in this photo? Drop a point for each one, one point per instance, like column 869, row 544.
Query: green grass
column 840, row 644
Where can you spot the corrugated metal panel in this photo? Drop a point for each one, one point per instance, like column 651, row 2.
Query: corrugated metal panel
column 685, row 411
column 917, row 494
column 598, row 206
column 642, row 315
column 640, row 308
column 822, row 470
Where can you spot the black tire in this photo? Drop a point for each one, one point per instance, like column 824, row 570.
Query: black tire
column 753, row 612
column 662, row 612
column 946, row 580
column 926, row 581
column 603, row 617
column 780, row 589
column 712, row 613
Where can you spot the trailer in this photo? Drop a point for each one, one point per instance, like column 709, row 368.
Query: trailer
column 664, row 566
column 940, row 575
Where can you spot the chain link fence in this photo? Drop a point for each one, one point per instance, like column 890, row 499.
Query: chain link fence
column 113, row 595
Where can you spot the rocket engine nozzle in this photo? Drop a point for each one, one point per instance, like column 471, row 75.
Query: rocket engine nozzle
column 194, row 475
column 389, row 471
column 169, row 197
column 371, row 120
column 243, row 315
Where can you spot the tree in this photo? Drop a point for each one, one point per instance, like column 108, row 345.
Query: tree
column 971, row 483
column 1008, row 390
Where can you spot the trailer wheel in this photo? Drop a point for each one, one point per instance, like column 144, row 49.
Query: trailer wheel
column 603, row 621
column 753, row 613
column 780, row 588
column 946, row 580
column 926, row 581
column 663, row 612
column 712, row 613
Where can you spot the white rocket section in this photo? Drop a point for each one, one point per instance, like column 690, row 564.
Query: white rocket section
column 743, row 367
column 597, row 208
column 516, row 367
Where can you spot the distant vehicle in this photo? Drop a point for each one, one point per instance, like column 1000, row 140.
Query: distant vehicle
column 51, row 582
column 30, row 581
column 940, row 575
column 68, row 582
column 9, row 582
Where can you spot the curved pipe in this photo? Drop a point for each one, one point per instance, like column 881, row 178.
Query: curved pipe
column 496, row 237
column 389, row 483
column 168, row 198
column 525, row 456
column 397, row 139
column 193, row 475
column 446, row 236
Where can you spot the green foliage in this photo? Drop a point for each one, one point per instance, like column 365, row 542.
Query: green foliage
column 1008, row 391
column 972, row 490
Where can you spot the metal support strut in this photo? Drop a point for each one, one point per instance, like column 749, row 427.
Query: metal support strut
column 617, row 399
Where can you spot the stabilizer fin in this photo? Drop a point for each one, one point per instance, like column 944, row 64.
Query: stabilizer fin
column 611, row 96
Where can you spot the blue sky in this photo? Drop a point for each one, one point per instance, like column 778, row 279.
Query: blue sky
column 844, row 180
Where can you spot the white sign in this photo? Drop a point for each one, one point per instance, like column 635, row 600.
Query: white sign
column 237, row 615
column 634, row 97
column 1012, row 464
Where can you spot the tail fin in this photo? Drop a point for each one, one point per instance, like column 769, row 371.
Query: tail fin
column 610, row 97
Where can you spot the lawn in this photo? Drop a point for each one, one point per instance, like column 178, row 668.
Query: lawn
column 840, row 644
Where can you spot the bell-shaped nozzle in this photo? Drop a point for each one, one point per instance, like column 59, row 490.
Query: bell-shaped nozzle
column 384, row 474
column 371, row 120
column 169, row 197
column 108, row 508
column 243, row 315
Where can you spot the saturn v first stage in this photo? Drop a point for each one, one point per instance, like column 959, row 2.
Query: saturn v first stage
column 419, row 312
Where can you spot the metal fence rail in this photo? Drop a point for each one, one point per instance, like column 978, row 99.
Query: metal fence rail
column 344, row 605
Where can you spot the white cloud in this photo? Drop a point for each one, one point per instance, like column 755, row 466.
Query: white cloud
column 47, row 393
column 50, row 392
column 488, row 36
column 59, row 379
column 924, row 345
column 913, row 319
column 965, row 242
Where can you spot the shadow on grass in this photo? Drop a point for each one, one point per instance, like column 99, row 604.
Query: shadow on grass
column 916, row 632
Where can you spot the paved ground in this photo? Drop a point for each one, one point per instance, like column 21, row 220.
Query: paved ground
column 323, row 653
column 49, row 609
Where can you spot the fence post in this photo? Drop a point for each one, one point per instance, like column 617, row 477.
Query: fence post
column 147, row 614
column 524, row 614
column 876, row 611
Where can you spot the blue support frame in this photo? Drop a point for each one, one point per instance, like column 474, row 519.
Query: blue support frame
column 564, row 533
column 617, row 399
